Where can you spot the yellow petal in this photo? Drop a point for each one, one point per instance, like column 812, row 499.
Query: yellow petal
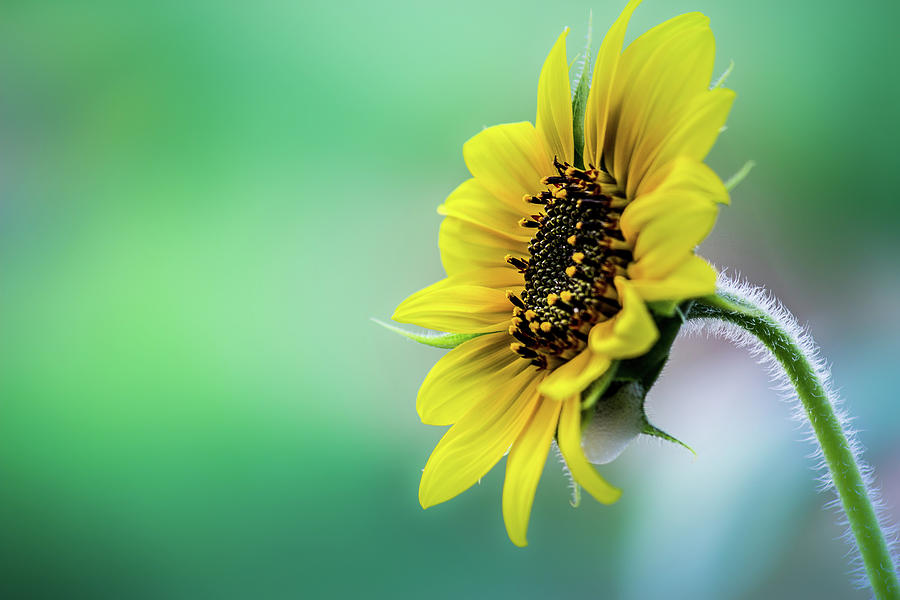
column 500, row 278
column 658, row 74
column 631, row 332
column 524, row 466
column 691, row 134
column 463, row 303
column 509, row 161
column 472, row 203
column 475, row 444
column 597, row 109
column 569, row 438
column 466, row 376
column 465, row 247
column 684, row 174
column 693, row 278
column 648, row 208
column 667, row 222
column 665, row 240
column 574, row 376
column 554, row 103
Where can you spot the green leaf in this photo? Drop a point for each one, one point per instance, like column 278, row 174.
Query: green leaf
column 437, row 339
column 579, row 99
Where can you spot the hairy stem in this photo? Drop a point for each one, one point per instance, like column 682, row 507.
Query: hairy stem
column 844, row 469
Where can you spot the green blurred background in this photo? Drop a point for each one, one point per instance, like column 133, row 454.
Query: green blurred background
column 202, row 204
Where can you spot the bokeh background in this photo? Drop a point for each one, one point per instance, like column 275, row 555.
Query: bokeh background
column 201, row 206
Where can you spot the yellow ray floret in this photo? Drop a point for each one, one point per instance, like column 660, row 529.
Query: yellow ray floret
column 554, row 103
column 569, row 436
column 465, row 376
column 523, row 469
column 631, row 333
column 475, row 444
column 597, row 112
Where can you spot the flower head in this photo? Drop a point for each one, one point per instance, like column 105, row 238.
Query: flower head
column 565, row 253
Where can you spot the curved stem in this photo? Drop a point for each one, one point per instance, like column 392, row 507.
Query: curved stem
column 838, row 453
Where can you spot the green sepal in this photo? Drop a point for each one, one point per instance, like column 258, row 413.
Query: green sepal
column 436, row 339
column 639, row 375
column 579, row 99
column 652, row 430
column 738, row 177
column 665, row 308
column 596, row 390
column 720, row 81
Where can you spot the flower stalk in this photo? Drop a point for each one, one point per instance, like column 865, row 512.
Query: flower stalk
column 778, row 332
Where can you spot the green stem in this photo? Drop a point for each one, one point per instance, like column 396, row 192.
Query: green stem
column 842, row 464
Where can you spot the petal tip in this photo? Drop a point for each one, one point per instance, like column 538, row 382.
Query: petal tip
column 612, row 497
column 400, row 314
column 424, row 500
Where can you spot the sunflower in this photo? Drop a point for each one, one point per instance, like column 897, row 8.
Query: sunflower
column 560, row 251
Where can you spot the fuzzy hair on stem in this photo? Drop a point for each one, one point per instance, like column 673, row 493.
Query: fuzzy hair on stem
column 794, row 339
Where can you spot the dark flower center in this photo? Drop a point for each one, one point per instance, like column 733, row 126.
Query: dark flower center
column 576, row 252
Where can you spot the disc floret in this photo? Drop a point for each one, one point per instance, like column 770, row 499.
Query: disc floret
column 575, row 254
